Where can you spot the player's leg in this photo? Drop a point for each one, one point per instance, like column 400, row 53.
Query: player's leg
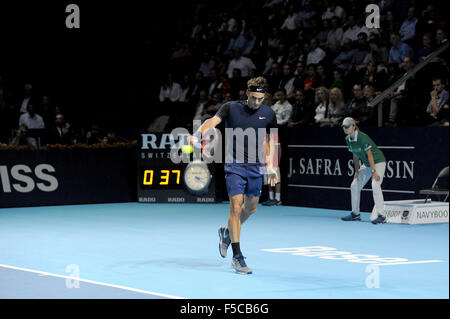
column 355, row 189
column 377, row 212
column 249, row 207
column 236, row 187
column 234, row 219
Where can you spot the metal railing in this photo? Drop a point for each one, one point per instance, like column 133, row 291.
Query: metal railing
column 377, row 101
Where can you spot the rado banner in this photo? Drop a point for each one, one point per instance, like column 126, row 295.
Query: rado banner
column 319, row 166
column 63, row 177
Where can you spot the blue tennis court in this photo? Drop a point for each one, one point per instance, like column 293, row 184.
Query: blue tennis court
column 134, row 250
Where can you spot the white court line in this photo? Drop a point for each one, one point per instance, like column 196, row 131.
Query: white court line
column 42, row 273
column 348, row 188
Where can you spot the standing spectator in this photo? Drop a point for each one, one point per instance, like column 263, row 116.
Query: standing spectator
column 316, row 54
column 282, row 108
column 27, row 99
column 399, row 50
column 30, row 119
column 60, row 132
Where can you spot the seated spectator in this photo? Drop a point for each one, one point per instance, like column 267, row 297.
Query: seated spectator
column 333, row 10
column 351, row 29
column 185, row 86
column 399, row 50
column 443, row 115
column 61, row 132
column 338, row 82
column 439, row 97
column 365, row 115
column 170, row 91
column 321, row 100
column 360, row 58
column 306, row 14
column 93, row 135
column 316, row 54
column 408, row 27
column 427, row 46
column 282, row 108
column 214, row 105
column 302, row 111
column 357, row 102
column 250, row 44
column 336, row 33
column 377, row 52
column 370, row 76
column 207, row 64
column 322, row 36
column 20, row 136
column 240, row 62
column 441, row 36
column 336, row 109
column 201, row 105
column 274, row 78
column 322, row 78
column 343, row 60
column 237, row 40
column 237, row 82
column 402, row 97
column 48, row 110
column 287, row 81
column 27, row 98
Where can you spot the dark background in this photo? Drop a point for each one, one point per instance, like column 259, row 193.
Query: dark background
column 105, row 67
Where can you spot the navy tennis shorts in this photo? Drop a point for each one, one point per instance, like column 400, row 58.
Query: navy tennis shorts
column 243, row 179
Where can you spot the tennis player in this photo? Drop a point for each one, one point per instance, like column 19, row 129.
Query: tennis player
column 244, row 169
column 374, row 165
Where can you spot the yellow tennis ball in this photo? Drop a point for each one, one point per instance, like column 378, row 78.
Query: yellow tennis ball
column 187, row 149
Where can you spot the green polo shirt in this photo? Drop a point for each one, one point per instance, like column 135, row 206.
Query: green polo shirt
column 360, row 144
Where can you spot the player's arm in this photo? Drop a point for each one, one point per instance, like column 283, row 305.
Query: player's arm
column 372, row 164
column 270, row 155
column 221, row 114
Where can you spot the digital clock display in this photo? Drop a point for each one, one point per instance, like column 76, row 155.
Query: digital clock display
column 161, row 178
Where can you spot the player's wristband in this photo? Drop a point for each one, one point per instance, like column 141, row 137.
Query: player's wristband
column 374, row 171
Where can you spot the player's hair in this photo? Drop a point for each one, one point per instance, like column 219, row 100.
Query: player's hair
column 259, row 81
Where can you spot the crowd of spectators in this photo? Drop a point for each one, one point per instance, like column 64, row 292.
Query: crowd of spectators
column 34, row 121
column 321, row 61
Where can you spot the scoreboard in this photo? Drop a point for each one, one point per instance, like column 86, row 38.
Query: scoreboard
column 160, row 180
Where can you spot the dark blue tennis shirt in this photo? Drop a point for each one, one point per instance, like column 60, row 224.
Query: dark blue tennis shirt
column 245, row 130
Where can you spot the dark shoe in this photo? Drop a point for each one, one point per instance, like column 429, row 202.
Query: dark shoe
column 351, row 217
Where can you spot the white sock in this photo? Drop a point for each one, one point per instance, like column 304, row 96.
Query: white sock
column 278, row 196
column 270, row 195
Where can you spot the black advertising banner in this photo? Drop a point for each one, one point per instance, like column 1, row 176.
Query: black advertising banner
column 160, row 180
column 319, row 167
column 63, row 177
